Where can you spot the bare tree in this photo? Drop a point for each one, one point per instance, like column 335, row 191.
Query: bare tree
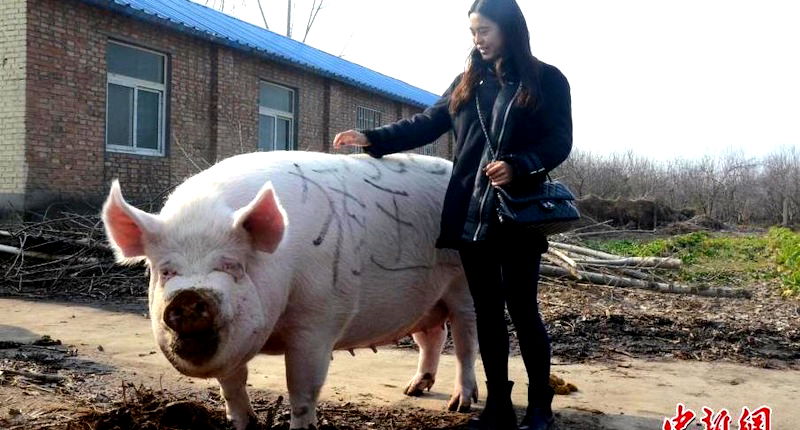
column 221, row 4
column 263, row 17
column 316, row 6
column 782, row 177
column 729, row 187
column 312, row 16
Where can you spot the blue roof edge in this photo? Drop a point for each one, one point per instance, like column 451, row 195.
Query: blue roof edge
column 143, row 15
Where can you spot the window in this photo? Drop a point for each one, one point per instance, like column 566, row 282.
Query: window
column 136, row 88
column 275, row 117
column 429, row 149
column 367, row 118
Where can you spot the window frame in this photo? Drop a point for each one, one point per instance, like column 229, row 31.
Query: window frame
column 278, row 115
column 361, row 116
column 136, row 85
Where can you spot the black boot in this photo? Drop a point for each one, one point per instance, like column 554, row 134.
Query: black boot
column 498, row 414
column 539, row 415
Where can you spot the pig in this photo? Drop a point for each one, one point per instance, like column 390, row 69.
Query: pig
column 300, row 254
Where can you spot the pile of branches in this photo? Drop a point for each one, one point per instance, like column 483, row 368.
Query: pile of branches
column 581, row 264
column 69, row 256
column 66, row 256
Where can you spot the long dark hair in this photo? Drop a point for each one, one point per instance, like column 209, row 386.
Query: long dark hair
column 516, row 57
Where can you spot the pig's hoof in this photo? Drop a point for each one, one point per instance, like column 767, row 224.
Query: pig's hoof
column 462, row 402
column 419, row 384
column 252, row 424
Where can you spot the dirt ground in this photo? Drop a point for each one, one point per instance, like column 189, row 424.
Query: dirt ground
column 632, row 355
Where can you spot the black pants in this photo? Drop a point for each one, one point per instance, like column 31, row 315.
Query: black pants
column 504, row 270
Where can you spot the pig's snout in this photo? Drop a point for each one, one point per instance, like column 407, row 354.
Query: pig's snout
column 192, row 315
column 190, row 312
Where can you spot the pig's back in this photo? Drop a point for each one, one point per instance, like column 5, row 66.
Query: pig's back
column 235, row 181
column 361, row 234
column 301, row 178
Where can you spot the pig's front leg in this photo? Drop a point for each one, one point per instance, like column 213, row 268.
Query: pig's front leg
column 306, row 368
column 237, row 403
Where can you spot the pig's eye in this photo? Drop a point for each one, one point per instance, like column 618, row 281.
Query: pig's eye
column 167, row 274
column 233, row 268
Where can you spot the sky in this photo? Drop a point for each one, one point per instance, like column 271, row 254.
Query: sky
column 662, row 79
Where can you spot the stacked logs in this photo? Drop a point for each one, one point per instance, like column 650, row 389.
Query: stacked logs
column 563, row 260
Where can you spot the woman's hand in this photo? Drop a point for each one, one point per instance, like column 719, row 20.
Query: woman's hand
column 350, row 138
column 499, row 172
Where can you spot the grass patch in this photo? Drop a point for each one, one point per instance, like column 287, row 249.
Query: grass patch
column 709, row 258
column 785, row 247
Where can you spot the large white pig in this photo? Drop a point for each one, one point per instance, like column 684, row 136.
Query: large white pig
column 300, row 253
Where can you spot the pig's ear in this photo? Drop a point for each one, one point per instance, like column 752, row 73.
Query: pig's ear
column 127, row 227
column 264, row 219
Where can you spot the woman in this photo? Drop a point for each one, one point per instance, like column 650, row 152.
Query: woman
column 511, row 117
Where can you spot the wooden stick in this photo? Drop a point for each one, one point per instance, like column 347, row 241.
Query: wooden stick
column 584, row 251
column 639, row 275
column 652, row 262
column 42, row 256
column 602, row 233
column 31, row 375
column 563, row 256
column 16, row 251
column 562, row 263
column 617, row 281
column 607, row 259
column 596, row 224
column 75, row 242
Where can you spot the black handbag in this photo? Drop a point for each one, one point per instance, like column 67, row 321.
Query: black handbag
column 547, row 208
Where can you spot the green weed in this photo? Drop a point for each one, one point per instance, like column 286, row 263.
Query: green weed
column 709, row 258
column 785, row 247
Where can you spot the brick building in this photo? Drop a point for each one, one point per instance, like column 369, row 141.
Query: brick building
column 151, row 92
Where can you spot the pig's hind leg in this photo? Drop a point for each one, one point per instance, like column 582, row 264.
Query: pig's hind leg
column 430, row 341
column 431, row 334
column 237, row 403
column 463, row 325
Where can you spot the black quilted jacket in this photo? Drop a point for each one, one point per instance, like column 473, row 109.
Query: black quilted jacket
column 532, row 141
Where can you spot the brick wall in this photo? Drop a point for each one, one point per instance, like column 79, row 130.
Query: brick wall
column 66, row 95
column 239, row 78
column 12, row 104
column 344, row 103
column 442, row 147
column 212, row 109
column 345, row 99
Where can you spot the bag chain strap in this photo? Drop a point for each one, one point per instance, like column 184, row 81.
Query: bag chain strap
column 486, row 133
column 483, row 127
